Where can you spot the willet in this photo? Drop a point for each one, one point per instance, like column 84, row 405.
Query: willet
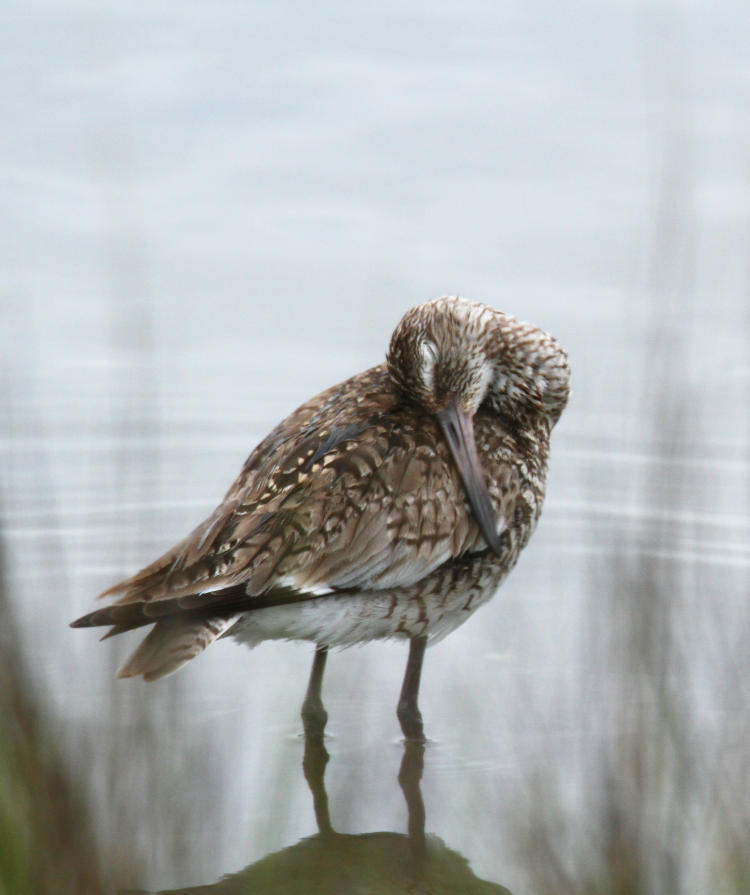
column 391, row 505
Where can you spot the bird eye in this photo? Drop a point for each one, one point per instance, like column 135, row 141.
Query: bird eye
column 428, row 355
column 429, row 352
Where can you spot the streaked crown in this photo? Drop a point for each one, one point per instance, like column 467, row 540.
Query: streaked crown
column 453, row 351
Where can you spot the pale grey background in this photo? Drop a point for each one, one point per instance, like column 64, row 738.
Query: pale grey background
column 210, row 211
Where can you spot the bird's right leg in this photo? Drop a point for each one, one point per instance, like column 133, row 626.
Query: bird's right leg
column 408, row 709
column 314, row 715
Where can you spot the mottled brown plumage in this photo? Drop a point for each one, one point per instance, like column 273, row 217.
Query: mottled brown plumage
column 392, row 504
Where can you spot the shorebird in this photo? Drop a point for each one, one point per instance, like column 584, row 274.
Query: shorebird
column 391, row 505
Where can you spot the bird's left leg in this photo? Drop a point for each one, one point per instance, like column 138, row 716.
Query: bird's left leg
column 314, row 715
column 408, row 710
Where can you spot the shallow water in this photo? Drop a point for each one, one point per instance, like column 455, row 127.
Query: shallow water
column 213, row 212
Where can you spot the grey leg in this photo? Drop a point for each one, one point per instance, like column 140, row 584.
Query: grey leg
column 314, row 715
column 408, row 709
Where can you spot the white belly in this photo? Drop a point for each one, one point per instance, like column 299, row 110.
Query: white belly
column 343, row 620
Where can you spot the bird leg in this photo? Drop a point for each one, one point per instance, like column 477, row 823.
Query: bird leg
column 314, row 715
column 408, row 711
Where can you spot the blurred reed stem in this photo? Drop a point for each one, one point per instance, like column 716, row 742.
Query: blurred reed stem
column 47, row 844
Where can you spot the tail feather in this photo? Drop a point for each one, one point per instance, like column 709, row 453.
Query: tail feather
column 171, row 643
column 183, row 626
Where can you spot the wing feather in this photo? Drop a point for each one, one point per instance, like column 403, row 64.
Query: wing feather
column 353, row 490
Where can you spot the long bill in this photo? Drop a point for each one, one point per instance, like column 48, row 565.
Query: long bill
column 458, row 427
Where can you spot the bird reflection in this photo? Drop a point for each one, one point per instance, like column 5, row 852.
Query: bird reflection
column 331, row 863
